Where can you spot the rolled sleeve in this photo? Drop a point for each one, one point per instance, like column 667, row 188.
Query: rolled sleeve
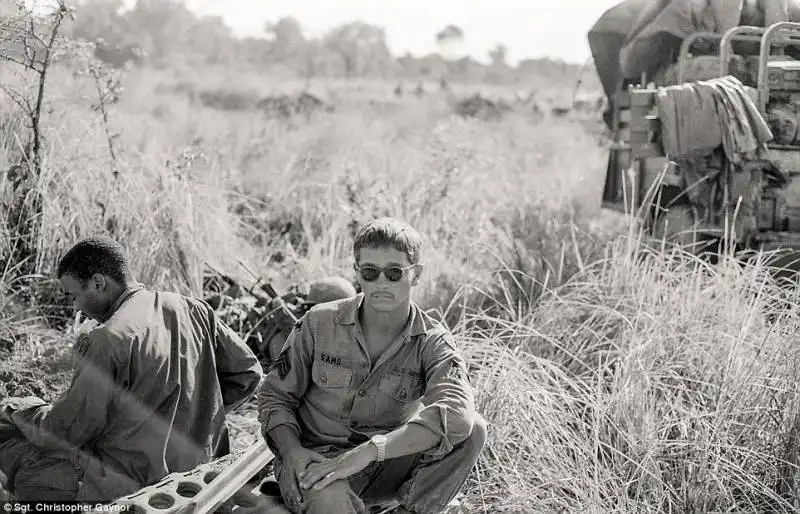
column 449, row 400
column 240, row 373
column 286, row 381
column 80, row 414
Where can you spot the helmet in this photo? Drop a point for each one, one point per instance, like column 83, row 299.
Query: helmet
column 329, row 289
column 319, row 291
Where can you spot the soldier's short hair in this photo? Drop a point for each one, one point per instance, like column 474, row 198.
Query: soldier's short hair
column 95, row 255
column 389, row 232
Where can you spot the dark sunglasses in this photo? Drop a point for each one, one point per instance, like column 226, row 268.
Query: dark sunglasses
column 392, row 273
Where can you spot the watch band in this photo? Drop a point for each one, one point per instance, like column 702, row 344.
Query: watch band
column 380, row 445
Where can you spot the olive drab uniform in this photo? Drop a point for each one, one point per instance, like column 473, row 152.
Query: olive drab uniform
column 325, row 388
column 151, row 388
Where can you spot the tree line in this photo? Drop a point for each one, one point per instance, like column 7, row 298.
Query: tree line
column 163, row 33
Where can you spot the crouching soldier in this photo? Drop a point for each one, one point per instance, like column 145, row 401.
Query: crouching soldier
column 151, row 387
column 323, row 290
column 369, row 400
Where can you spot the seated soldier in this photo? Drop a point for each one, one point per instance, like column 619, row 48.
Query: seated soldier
column 151, row 388
column 369, row 400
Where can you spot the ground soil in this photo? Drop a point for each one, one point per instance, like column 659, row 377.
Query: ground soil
column 42, row 370
column 26, row 382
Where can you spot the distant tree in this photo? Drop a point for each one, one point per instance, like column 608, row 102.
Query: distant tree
column 156, row 31
column 211, row 40
column 433, row 66
column 163, row 28
column 103, row 24
column 498, row 55
column 287, row 39
column 449, row 39
column 361, row 47
column 98, row 19
column 315, row 60
column 468, row 68
column 408, row 65
column 254, row 51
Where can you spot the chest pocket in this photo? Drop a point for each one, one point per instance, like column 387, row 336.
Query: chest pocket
column 397, row 400
column 331, row 389
column 400, row 387
column 331, row 377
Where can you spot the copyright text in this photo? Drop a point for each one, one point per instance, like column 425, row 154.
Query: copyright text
column 45, row 507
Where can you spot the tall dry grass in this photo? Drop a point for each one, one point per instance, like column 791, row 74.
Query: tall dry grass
column 615, row 378
column 200, row 185
column 651, row 382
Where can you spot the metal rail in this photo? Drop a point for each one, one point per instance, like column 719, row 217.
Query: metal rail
column 686, row 46
column 201, row 490
column 770, row 37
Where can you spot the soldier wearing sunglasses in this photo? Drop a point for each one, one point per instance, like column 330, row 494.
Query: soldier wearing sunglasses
column 369, row 400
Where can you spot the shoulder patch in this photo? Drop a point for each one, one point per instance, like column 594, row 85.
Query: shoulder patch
column 282, row 364
column 457, row 371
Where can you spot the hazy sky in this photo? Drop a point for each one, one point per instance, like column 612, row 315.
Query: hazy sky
column 529, row 28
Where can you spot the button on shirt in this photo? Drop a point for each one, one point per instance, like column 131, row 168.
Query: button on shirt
column 324, row 387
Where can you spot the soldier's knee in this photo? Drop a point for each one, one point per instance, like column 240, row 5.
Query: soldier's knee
column 337, row 497
column 334, row 491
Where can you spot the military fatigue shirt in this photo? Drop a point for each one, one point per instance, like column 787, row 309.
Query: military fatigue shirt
column 327, row 390
column 149, row 394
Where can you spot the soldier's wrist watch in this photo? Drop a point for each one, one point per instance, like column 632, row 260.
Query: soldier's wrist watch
column 379, row 440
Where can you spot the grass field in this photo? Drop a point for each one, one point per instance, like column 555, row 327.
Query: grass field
column 615, row 378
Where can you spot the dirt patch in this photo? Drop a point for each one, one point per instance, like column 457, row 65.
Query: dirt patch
column 16, row 380
column 21, row 383
column 40, row 366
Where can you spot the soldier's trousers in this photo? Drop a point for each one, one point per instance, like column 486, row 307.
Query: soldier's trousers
column 33, row 474
column 421, row 485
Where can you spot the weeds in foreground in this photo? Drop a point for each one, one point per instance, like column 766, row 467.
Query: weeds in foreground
column 651, row 382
